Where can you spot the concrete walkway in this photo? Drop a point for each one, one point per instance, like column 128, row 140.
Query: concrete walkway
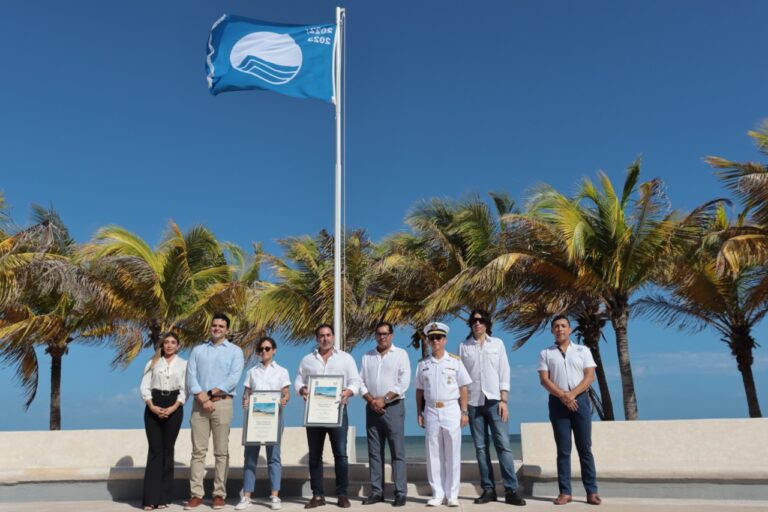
column 418, row 504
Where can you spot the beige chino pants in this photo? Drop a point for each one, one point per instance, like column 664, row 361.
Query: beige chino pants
column 215, row 424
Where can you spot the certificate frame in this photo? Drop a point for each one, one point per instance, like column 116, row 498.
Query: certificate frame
column 323, row 407
column 261, row 419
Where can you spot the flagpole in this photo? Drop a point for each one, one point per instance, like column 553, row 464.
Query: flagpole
column 338, row 228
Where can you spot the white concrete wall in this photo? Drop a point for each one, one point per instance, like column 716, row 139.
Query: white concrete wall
column 669, row 449
column 89, row 454
column 729, row 449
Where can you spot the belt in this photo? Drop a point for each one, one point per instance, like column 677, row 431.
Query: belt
column 216, row 398
column 163, row 392
column 440, row 405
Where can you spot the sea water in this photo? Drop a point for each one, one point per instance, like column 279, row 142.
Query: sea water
column 414, row 449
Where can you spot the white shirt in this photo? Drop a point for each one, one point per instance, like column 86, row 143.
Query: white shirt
column 165, row 377
column 441, row 378
column 339, row 363
column 566, row 371
column 383, row 374
column 272, row 377
column 488, row 367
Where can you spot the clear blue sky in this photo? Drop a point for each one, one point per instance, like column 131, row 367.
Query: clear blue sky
column 104, row 114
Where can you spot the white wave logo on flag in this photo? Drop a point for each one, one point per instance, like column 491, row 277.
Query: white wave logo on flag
column 274, row 58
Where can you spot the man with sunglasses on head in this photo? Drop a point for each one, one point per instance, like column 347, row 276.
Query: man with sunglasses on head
column 441, row 405
column 486, row 361
column 385, row 374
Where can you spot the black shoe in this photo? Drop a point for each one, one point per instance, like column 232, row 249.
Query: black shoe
column 343, row 502
column 513, row 498
column 486, row 497
column 373, row 498
column 399, row 501
column 316, row 501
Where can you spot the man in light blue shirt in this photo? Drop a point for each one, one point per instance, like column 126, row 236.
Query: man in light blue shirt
column 213, row 373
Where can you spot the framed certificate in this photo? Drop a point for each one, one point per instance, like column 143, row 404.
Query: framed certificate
column 262, row 418
column 323, row 406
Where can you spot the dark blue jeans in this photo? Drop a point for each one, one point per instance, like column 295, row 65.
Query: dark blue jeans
column 485, row 425
column 580, row 423
column 315, row 441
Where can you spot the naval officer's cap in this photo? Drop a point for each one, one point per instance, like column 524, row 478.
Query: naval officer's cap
column 436, row 328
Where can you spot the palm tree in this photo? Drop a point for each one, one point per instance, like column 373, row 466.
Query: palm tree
column 748, row 180
column 535, row 280
column 302, row 296
column 240, row 296
column 618, row 243
column 56, row 301
column 731, row 302
column 428, row 270
column 177, row 286
column 470, row 233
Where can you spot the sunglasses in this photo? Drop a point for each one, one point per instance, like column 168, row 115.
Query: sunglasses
column 477, row 320
column 435, row 337
column 263, row 349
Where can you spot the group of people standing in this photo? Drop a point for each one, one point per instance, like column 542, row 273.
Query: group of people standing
column 452, row 391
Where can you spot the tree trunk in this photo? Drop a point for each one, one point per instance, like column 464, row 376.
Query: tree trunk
column 619, row 320
column 590, row 330
column 741, row 347
column 56, row 353
column 155, row 331
column 602, row 382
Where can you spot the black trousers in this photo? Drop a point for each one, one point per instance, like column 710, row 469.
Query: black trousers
column 316, row 443
column 161, row 437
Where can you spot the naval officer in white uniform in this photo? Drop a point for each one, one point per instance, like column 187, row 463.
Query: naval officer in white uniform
column 441, row 404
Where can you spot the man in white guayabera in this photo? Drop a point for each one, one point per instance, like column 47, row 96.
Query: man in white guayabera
column 386, row 375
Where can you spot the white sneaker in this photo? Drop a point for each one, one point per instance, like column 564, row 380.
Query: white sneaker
column 453, row 502
column 275, row 503
column 244, row 503
column 435, row 502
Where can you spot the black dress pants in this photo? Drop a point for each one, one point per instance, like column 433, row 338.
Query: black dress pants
column 161, row 437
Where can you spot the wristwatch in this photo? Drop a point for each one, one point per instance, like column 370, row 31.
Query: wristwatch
column 465, row 413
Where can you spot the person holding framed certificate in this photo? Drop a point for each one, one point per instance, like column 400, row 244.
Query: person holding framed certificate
column 265, row 384
column 326, row 379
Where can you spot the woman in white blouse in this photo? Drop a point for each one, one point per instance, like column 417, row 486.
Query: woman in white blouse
column 267, row 375
column 163, row 388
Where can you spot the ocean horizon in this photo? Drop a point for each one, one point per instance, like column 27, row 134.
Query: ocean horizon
column 415, row 450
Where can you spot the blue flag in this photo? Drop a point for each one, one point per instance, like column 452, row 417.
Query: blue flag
column 296, row 60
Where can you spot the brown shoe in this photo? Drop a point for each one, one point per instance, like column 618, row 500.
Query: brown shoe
column 343, row 502
column 316, row 501
column 218, row 502
column 594, row 499
column 193, row 502
column 562, row 499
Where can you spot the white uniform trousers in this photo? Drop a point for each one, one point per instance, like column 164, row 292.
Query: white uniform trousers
column 443, row 444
